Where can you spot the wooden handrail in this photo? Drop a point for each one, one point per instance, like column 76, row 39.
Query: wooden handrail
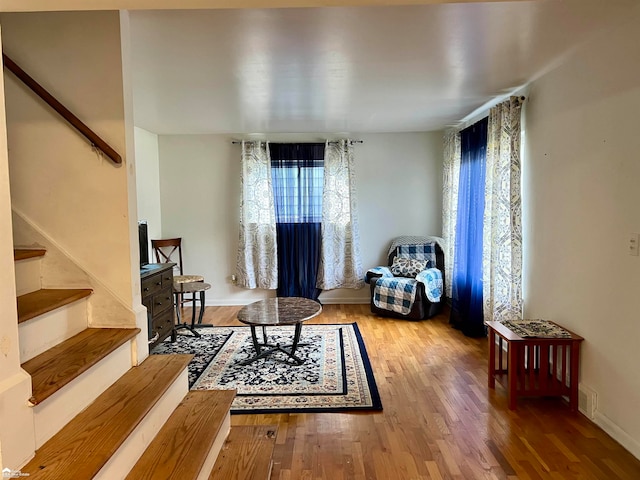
column 95, row 140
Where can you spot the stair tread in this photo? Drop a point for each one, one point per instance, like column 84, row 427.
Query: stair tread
column 55, row 368
column 88, row 441
column 45, row 300
column 181, row 447
column 246, row 453
column 24, row 253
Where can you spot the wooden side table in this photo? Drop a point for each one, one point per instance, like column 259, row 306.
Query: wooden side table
column 179, row 289
column 534, row 366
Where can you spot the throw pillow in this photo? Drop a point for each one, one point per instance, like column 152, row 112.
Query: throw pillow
column 407, row 267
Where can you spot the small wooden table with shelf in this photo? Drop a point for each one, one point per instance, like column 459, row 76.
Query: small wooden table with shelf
column 534, row 366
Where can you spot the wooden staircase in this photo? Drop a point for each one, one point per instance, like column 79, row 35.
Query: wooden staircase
column 98, row 417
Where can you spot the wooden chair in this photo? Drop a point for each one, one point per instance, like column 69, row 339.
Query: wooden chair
column 169, row 250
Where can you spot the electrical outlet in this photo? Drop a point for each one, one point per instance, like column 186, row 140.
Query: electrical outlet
column 633, row 244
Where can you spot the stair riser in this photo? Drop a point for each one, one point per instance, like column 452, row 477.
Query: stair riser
column 134, row 446
column 28, row 275
column 208, row 464
column 56, row 411
column 45, row 331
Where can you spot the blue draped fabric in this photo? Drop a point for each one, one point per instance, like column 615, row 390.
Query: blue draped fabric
column 466, row 307
column 298, row 258
column 297, row 174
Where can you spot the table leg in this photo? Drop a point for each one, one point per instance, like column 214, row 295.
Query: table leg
column 201, row 314
column 254, row 338
column 201, row 307
column 179, row 324
column 512, row 375
column 193, row 308
column 174, row 333
column 492, row 359
column 177, row 302
column 268, row 349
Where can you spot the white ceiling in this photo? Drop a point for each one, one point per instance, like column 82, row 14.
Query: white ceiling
column 346, row 69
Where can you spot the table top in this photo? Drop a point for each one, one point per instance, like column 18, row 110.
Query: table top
column 279, row 311
column 153, row 268
column 507, row 334
column 192, row 287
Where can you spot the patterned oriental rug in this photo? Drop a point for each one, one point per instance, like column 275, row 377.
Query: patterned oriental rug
column 335, row 377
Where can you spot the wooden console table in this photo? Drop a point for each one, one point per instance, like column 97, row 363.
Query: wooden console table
column 534, row 366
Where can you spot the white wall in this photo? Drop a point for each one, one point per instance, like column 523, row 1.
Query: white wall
column 581, row 181
column 399, row 189
column 58, row 183
column 17, row 439
column 148, row 181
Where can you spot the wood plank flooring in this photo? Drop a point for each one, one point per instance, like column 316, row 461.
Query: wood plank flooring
column 439, row 419
column 246, row 454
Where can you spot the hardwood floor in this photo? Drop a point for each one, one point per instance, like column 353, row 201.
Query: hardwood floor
column 439, row 419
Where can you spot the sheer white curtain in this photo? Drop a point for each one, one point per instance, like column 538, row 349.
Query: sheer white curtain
column 450, row 180
column 340, row 264
column 502, row 229
column 257, row 249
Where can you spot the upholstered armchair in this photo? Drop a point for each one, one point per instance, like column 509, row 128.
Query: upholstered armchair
column 412, row 285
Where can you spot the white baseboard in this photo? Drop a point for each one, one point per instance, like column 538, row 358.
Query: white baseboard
column 618, row 434
column 345, row 301
column 230, row 302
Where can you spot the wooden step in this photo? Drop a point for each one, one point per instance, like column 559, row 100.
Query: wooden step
column 246, row 455
column 24, row 253
column 87, row 442
column 55, row 368
column 182, row 445
column 45, row 300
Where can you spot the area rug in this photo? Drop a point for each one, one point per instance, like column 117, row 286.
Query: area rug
column 336, row 375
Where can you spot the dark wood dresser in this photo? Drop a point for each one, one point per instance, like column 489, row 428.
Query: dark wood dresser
column 156, row 281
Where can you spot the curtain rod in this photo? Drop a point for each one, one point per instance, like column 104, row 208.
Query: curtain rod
column 236, row 142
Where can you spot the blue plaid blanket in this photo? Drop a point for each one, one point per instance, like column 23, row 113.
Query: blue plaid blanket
column 424, row 251
column 397, row 294
column 432, row 279
column 384, row 271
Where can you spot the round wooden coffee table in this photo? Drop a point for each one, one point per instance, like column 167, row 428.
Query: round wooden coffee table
column 277, row 312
